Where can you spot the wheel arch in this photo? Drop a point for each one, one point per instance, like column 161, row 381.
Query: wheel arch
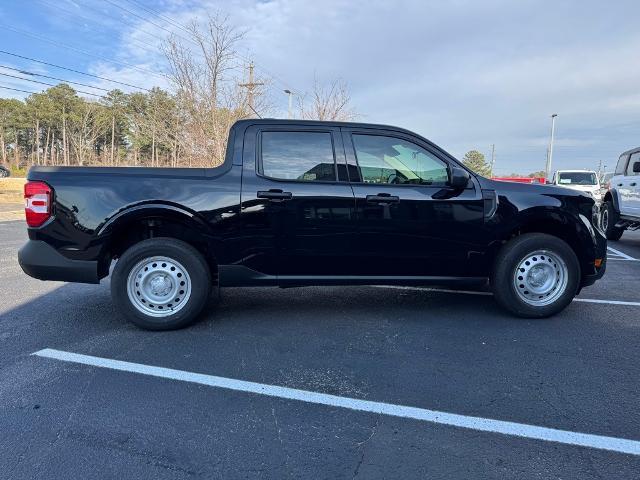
column 560, row 225
column 139, row 222
column 613, row 196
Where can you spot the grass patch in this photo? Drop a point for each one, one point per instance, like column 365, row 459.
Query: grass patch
column 11, row 190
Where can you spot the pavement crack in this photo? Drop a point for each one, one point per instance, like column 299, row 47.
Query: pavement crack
column 363, row 445
column 279, row 435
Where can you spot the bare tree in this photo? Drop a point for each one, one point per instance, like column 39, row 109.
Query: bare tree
column 327, row 103
column 205, row 71
column 85, row 126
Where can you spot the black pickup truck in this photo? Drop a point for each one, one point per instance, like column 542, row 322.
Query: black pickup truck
column 299, row 203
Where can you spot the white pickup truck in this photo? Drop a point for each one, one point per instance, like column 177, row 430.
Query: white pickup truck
column 621, row 208
column 582, row 180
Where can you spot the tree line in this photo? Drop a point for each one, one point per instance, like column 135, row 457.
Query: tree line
column 186, row 126
column 58, row 127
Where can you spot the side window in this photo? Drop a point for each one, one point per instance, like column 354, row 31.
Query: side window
column 397, row 161
column 300, row 156
column 635, row 157
column 622, row 164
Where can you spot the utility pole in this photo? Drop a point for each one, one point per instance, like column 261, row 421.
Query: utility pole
column 493, row 158
column 290, row 93
column 251, row 86
column 550, row 152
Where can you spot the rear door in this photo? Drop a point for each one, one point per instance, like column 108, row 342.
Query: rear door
column 409, row 222
column 292, row 193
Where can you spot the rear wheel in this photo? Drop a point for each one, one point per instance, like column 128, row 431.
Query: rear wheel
column 535, row 275
column 608, row 220
column 161, row 284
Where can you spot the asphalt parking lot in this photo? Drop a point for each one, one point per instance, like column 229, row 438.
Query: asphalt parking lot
column 362, row 347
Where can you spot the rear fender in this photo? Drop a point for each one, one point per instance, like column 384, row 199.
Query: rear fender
column 138, row 212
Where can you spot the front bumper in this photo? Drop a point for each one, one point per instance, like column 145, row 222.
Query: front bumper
column 594, row 277
column 40, row 260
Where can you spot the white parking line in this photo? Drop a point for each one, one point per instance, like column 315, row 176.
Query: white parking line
column 567, row 437
column 471, row 292
column 621, row 255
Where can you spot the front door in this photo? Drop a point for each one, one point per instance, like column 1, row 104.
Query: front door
column 410, row 223
column 292, row 191
column 630, row 190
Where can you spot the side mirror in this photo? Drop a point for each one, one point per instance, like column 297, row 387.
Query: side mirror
column 636, row 167
column 459, row 178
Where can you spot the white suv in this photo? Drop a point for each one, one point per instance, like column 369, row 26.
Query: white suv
column 621, row 208
column 582, row 180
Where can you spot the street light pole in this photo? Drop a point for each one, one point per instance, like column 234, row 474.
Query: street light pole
column 550, row 153
column 290, row 93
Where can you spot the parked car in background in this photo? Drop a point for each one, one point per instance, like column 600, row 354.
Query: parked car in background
column 605, row 180
column 621, row 208
column 300, row 203
column 582, row 180
column 4, row 172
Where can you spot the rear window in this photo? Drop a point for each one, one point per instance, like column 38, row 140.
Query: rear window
column 299, row 156
column 577, row 178
column 622, row 164
column 635, row 157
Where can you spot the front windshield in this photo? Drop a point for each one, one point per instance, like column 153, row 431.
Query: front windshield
column 577, row 178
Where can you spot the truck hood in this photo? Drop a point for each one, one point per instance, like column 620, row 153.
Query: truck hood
column 583, row 188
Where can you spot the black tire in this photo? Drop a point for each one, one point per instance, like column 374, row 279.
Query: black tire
column 608, row 219
column 505, row 272
column 192, row 262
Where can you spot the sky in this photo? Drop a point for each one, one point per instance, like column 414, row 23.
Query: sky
column 464, row 73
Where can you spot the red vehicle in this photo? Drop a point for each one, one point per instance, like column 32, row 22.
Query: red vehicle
column 521, row 179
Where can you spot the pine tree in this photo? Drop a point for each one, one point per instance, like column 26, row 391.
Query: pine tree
column 475, row 161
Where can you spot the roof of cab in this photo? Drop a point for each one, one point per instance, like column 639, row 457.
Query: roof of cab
column 633, row 150
column 243, row 124
column 324, row 123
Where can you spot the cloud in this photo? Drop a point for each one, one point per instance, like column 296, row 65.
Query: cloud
column 466, row 74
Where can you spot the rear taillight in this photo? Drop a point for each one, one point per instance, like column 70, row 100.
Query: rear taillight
column 37, row 203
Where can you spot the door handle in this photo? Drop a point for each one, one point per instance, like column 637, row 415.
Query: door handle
column 383, row 198
column 619, row 184
column 275, row 195
column 633, row 184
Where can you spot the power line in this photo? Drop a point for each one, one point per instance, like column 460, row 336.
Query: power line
column 75, row 16
column 75, row 49
column 48, row 84
column 148, row 21
column 16, row 89
column 158, row 15
column 25, row 72
column 72, row 70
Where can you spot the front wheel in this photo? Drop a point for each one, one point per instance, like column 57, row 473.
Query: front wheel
column 535, row 275
column 161, row 284
column 608, row 219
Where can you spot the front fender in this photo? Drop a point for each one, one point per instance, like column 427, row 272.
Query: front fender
column 615, row 198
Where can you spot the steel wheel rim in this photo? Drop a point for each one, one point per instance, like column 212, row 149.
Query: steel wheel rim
column 159, row 286
column 605, row 219
column 541, row 278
